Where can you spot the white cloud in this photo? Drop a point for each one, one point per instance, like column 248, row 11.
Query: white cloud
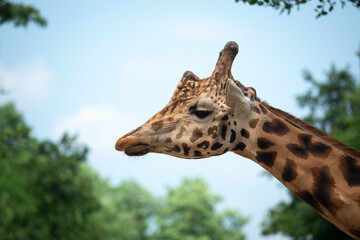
column 97, row 126
column 26, row 83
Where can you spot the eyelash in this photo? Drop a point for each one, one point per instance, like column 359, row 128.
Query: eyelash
column 201, row 113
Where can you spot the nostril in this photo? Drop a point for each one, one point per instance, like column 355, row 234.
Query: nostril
column 132, row 132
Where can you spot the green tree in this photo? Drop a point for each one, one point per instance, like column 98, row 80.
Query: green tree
column 189, row 212
column 19, row 14
column 126, row 212
column 334, row 107
column 45, row 191
column 323, row 7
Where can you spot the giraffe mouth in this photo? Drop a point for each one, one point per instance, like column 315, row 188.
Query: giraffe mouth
column 137, row 150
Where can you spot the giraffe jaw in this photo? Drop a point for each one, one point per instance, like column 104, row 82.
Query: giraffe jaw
column 137, row 150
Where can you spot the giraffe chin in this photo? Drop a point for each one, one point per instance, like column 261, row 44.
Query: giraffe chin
column 137, row 150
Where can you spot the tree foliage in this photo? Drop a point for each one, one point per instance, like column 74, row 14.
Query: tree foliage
column 20, row 14
column 323, row 7
column 47, row 191
column 334, row 107
column 44, row 192
column 189, row 213
column 125, row 213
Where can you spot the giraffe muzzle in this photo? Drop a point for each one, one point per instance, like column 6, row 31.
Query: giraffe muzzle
column 132, row 146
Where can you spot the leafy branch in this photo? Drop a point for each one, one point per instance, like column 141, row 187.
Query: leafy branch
column 322, row 8
column 20, row 14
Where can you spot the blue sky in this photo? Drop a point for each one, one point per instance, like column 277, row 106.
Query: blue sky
column 101, row 68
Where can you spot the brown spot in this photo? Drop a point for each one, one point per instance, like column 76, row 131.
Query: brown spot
column 168, row 140
column 267, row 158
column 216, row 146
column 197, row 153
column 179, row 135
column 306, row 146
column 264, row 143
column 307, row 197
column 245, row 133
column 289, row 173
column 232, row 136
column 323, row 189
column 186, row 149
column 212, row 131
column 197, row 133
column 239, row 146
column 176, row 148
column 297, row 150
column 226, row 117
column 318, row 149
column 203, row 145
column 253, row 122
column 223, row 132
column 157, row 125
column 255, row 109
column 276, row 126
column 350, row 169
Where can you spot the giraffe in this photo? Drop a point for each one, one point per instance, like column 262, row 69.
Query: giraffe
column 208, row 117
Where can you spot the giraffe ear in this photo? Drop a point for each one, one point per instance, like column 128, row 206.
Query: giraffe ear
column 236, row 100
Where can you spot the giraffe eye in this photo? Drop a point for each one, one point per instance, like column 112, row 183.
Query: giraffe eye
column 201, row 113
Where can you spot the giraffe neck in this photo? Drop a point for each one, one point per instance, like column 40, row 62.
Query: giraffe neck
column 310, row 163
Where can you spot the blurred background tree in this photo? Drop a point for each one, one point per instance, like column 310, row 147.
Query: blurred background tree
column 323, row 7
column 20, row 14
column 334, row 107
column 189, row 212
column 126, row 211
column 45, row 191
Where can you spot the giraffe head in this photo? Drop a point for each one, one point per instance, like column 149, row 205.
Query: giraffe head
column 203, row 118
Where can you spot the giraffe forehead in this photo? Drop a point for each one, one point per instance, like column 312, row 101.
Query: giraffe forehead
column 190, row 88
